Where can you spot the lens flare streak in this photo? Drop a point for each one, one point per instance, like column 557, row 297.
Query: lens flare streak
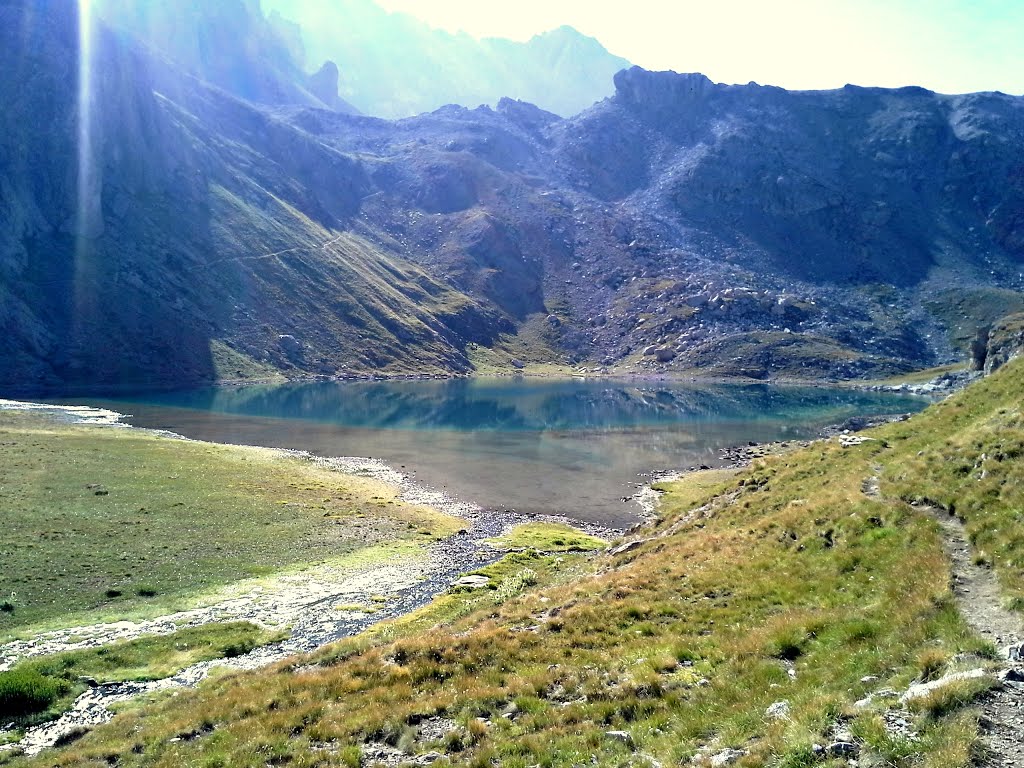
column 88, row 191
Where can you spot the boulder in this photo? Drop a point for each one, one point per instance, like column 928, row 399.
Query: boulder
column 291, row 347
column 665, row 355
column 622, row 736
column 473, row 582
column 629, row 546
column 923, row 689
column 696, row 301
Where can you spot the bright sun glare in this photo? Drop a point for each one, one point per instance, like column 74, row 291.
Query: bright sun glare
column 86, row 165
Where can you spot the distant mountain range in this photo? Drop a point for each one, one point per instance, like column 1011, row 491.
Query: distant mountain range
column 392, row 65
column 235, row 225
column 351, row 55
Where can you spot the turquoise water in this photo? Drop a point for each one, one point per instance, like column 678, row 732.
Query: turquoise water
column 570, row 447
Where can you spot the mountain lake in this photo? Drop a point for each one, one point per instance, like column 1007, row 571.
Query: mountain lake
column 580, row 448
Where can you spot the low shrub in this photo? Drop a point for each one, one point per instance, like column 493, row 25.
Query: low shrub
column 26, row 692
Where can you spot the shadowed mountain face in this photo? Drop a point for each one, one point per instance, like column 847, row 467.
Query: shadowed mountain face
column 209, row 223
column 857, row 185
column 677, row 225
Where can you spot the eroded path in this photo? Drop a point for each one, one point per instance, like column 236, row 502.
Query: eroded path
column 979, row 599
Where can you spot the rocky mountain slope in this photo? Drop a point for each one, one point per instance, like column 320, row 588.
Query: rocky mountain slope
column 678, row 225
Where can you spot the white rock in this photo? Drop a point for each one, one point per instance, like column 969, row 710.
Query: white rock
column 473, row 582
column 923, row 689
column 726, row 757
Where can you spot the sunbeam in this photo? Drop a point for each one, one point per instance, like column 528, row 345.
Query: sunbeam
column 88, row 217
column 88, row 213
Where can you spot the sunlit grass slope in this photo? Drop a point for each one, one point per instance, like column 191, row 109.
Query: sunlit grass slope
column 786, row 582
column 103, row 522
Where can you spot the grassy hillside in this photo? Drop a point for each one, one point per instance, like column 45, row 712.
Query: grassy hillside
column 794, row 581
column 102, row 523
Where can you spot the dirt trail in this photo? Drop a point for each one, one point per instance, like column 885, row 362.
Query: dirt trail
column 275, row 254
column 979, row 599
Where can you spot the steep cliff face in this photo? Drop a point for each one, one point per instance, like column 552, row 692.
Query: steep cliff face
column 1003, row 342
column 189, row 235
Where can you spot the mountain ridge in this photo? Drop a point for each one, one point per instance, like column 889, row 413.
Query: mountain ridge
column 677, row 226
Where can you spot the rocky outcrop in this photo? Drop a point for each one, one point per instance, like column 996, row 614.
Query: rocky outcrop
column 1005, row 341
column 640, row 88
column 324, row 85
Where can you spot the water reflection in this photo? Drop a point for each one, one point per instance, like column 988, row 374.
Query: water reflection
column 521, row 405
column 566, row 447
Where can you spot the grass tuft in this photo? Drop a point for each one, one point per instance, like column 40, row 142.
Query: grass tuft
column 548, row 537
column 25, row 692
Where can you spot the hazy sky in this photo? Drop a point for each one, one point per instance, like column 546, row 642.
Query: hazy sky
column 950, row 46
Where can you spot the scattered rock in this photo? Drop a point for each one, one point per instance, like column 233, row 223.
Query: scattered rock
column 473, row 582
column 849, row 441
column 1012, row 675
column 777, row 711
column 726, row 757
column 436, row 728
column 623, row 736
column 842, row 749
